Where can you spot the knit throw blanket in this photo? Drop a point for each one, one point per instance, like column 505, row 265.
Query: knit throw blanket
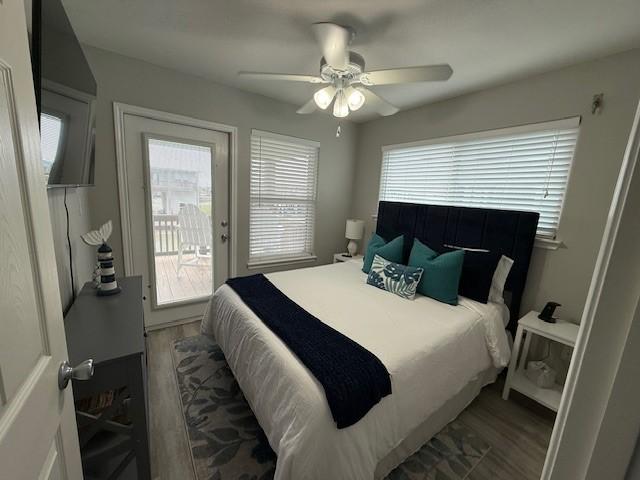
column 354, row 379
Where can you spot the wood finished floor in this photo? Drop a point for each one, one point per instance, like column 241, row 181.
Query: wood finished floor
column 517, row 430
column 194, row 280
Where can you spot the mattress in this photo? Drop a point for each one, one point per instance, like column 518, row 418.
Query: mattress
column 431, row 350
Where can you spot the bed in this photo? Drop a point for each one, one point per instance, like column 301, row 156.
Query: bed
column 438, row 356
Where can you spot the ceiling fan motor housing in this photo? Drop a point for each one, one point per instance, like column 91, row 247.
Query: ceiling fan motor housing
column 354, row 69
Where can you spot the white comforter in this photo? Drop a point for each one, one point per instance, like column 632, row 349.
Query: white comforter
column 432, row 350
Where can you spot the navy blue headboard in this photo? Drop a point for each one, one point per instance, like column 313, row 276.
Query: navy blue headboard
column 508, row 232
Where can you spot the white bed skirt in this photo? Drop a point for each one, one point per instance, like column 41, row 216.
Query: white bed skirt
column 436, row 422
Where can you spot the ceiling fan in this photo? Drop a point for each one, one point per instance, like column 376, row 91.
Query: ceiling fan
column 343, row 73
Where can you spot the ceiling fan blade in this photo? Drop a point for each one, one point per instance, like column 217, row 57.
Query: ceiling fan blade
column 373, row 100
column 281, row 76
column 427, row 73
column 333, row 40
column 307, row 108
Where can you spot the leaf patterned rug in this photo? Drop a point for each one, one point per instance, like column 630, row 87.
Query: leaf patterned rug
column 228, row 444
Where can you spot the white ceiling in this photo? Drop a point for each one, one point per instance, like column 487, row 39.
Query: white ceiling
column 487, row 42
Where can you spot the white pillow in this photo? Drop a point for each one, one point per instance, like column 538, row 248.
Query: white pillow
column 496, row 294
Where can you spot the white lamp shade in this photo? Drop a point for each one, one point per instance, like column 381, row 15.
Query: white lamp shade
column 324, row 96
column 354, row 230
column 355, row 98
column 340, row 106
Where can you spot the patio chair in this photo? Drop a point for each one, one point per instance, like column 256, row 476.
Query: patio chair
column 194, row 232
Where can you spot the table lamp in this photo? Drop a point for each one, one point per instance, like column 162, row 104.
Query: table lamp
column 354, row 231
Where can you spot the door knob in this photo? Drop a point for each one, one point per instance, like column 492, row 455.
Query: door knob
column 83, row 371
column 224, row 237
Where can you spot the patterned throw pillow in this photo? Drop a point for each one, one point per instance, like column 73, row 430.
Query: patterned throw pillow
column 395, row 278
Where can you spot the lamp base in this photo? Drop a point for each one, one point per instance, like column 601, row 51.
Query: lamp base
column 352, row 248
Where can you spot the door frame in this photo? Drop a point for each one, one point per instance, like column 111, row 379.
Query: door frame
column 561, row 437
column 122, row 109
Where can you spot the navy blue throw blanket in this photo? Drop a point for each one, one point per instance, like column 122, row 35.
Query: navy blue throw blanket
column 354, row 379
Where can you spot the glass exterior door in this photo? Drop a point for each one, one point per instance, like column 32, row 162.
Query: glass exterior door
column 180, row 187
column 178, row 206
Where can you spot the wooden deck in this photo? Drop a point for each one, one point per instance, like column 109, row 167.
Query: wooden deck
column 193, row 281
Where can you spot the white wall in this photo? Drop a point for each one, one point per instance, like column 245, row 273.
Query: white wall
column 79, row 223
column 562, row 275
column 123, row 79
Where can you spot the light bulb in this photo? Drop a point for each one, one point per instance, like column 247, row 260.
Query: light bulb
column 355, row 98
column 324, row 96
column 340, row 107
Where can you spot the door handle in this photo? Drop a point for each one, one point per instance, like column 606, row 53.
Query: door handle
column 224, row 237
column 83, row 371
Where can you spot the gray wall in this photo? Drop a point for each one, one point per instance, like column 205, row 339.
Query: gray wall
column 634, row 467
column 77, row 197
column 79, row 222
column 349, row 187
column 123, row 79
column 562, row 275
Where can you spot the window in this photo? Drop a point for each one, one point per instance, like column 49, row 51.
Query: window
column 283, row 198
column 51, row 128
column 521, row 168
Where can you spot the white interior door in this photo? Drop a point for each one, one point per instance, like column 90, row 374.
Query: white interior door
column 178, row 191
column 38, row 436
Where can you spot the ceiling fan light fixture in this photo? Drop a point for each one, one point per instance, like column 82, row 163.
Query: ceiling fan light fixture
column 345, row 80
column 340, row 106
column 324, row 96
column 355, row 98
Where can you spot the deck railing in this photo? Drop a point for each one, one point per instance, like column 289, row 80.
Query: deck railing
column 165, row 234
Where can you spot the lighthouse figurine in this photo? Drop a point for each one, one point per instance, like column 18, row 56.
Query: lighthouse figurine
column 108, row 284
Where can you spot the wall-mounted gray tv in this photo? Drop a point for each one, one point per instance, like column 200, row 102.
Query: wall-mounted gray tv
column 66, row 97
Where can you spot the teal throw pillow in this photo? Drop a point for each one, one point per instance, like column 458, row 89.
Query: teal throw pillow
column 441, row 275
column 393, row 277
column 391, row 251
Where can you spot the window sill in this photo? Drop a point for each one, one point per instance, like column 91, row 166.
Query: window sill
column 252, row 265
column 548, row 243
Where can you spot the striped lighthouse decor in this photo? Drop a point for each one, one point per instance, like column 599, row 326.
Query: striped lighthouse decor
column 108, row 284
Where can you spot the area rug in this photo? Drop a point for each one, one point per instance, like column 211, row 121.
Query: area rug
column 228, row 444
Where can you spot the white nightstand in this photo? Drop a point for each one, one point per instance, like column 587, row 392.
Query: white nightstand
column 342, row 257
column 562, row 332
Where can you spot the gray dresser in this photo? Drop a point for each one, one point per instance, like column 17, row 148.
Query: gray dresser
column 111, row 407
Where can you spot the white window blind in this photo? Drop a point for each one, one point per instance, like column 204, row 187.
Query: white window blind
column 283, row 197
column 50, row 135
column 521, row 168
